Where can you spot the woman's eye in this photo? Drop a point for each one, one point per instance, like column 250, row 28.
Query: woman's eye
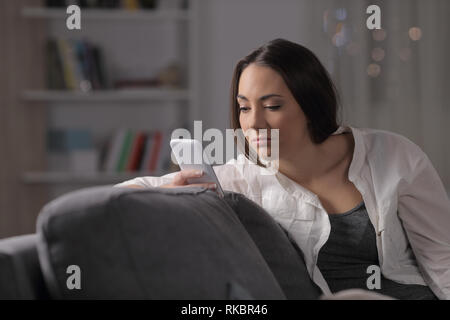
column 273, row 107
column 243, row 109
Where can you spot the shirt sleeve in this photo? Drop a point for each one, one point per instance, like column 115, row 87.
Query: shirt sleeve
column 424, row 208
column 229, row 176
column 232, row 179
column 148, row 181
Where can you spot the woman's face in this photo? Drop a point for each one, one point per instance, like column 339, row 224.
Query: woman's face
column 265, row 102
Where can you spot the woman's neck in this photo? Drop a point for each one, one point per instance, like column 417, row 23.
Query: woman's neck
column 312, row 162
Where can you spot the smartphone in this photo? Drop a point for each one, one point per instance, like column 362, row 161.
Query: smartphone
column 189, row 155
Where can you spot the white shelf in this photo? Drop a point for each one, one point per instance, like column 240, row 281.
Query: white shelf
column 77, row 178
column 173, row 21
column 107, row 14
column 127, row 95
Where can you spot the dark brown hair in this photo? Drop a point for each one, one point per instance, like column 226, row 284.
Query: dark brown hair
column 306, row 78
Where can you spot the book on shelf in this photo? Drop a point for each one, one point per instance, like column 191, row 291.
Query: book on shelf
column 68, row 64
column 125, row 151
column 147, row 151
column 71, row 149
column 68, row 139
column 170, row 76
column 138, row 151
column 74, row 65
column 164, row 162
column 55, row 77
column 155, row 152
column 97, row 71
column 113, row 150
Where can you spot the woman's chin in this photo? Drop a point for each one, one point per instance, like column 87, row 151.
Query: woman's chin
column 263, row 151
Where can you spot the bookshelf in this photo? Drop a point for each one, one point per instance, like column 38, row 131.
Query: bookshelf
column 126, row 95
column 109, row 28
column 62, row 177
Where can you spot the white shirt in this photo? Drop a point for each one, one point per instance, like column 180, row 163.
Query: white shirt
column 404, row 196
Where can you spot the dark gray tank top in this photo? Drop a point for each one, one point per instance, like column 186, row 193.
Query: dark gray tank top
column 351, row 249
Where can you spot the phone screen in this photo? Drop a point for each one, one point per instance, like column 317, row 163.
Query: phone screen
column 189, row 155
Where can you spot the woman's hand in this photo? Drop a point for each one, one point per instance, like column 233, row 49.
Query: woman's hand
column 180, row 179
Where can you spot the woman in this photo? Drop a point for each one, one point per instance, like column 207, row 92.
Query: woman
column 353, row 199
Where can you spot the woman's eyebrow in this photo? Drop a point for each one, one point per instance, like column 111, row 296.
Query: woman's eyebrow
column 267, row 96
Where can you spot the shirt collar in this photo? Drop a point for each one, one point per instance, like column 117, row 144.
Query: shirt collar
column 299, row 191
column 358, row 151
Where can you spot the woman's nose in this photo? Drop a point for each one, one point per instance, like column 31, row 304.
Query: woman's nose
column 257, row 119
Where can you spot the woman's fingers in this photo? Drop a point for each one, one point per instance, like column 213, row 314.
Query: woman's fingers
column 181, row 177
column 206, row 185
column 180, row 180
column 212, row 186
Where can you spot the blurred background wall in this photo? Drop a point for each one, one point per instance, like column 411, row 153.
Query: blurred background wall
column 22, row 129
column 78, row 107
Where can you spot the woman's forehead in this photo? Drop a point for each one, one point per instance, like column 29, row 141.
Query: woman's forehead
column 261, row 80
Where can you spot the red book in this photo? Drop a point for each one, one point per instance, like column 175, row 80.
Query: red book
column 157, row 139
column 136, row 152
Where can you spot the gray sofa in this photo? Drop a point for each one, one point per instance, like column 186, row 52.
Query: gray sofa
column 153, row 243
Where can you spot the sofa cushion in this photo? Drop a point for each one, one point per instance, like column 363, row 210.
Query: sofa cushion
column 151, row 243
column 280, row 252
column 20, row 272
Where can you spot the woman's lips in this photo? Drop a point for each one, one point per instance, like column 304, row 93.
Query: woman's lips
column 260, row 141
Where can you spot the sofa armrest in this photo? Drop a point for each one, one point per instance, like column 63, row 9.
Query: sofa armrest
column 20, row 272
column 150, row 243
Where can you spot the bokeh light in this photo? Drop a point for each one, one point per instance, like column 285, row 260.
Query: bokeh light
column 353, row 48
column 415, row 33
column 339, row 27
column 378, row 54
column 340, row 14
column 379, row 34
column 373, row 70
column 338, row 39
column 325, row 21
column 404, row 54
column 342, row 35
